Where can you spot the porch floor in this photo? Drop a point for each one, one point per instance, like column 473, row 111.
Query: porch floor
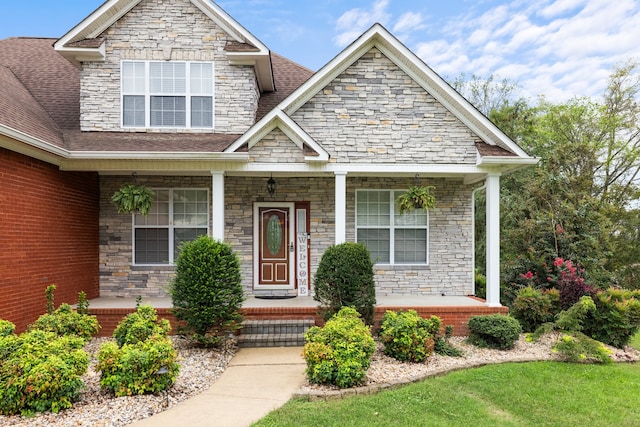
column 303, row 302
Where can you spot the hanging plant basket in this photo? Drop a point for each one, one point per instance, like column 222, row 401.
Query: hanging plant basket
column 416, row 197
column 133, row 198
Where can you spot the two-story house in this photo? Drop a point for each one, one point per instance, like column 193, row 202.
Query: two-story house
column 234, row 139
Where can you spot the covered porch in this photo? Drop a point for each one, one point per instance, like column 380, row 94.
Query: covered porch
column 452, row 310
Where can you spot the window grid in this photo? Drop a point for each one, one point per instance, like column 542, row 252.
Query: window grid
column 404, row 241
column 167, row 94
column 176, row 216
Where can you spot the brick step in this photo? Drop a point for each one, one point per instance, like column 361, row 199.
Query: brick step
column 271, row 340
column 274, row 333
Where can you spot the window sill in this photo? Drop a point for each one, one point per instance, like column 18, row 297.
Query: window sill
column 156, row 267
column 404, row 267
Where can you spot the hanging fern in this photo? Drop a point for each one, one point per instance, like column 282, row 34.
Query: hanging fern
column 133, row 198
column 416, row 197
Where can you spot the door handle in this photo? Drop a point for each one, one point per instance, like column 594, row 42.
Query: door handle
column 291, row 247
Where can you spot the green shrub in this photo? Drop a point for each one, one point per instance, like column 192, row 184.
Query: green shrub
column 340, row 352
column 40, row 371
column 407, row 336
column 480, row 284
column 442, row 345
column 494, row 331
column 578, row 348
column 143, row 367
column 6, row 328
column 207, row 290
column 66, row 321
column 142, row 359
column 140, row 326
column 616, row 317
column 345, row 279
column 533, row 307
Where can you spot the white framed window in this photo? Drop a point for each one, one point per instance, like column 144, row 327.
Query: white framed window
column 177, row 215
column 167, row 94
column 390, row 237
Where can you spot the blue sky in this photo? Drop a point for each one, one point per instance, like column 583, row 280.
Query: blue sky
column 555, row 48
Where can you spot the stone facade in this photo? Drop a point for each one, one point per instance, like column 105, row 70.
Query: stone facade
column 449, row 271
column 375, row 113
column 159, row 30
column 276, row 147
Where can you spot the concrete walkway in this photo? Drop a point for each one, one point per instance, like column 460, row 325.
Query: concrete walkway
column 257, row 381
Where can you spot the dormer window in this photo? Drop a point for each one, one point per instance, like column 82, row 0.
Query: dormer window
column 167, row 94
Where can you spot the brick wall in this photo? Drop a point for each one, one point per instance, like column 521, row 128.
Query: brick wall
column 48, row 234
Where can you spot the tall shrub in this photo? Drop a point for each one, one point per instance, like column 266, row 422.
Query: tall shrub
column 207, row 290
column 345, row 279
column 616, row 318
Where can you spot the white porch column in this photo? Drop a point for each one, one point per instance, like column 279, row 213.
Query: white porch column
column 341, row 207
column 493, row 240
column 217, row 205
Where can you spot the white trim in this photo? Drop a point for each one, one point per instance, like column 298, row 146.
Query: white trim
column 32, row 141
column 278, row 119
column 493, row 240
column 341, row 206
column 256, row 245
column 217, row 205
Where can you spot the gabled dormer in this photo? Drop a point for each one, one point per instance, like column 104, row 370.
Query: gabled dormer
column 167, row 66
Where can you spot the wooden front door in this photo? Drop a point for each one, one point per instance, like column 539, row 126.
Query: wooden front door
column 274, row 246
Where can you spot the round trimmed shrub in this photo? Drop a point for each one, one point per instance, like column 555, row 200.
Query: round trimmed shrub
column 494, row 331
column 407, row 336
column 340, row 352
column 207, row 290
column 345, row 279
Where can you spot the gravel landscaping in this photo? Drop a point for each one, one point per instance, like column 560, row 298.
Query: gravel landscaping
column 201, row 367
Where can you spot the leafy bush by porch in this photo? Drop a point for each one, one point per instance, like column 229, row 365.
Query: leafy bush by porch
column 345, row 279
column 40, row 371
column 407, row 336
column 142, row 360
column 207, row 290
column 340, row 352
column 494, row 331
column 65, row 320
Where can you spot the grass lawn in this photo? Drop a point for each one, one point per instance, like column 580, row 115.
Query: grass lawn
column 512, row 394
column 635, row 341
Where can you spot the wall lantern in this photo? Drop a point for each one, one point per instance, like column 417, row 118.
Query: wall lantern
column 271, row 186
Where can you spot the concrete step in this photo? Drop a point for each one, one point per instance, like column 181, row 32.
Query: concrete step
column 274, row 333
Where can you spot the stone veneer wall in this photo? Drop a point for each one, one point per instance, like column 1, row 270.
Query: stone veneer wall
column 450, row 269
column 375, row 113
column 146, row 33
column 118, row 277
column 450, row 257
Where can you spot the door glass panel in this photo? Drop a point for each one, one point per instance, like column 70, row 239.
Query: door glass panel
column 274, row 234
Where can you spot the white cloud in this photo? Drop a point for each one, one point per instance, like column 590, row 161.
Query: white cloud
column 354, row 22
column 410, row 21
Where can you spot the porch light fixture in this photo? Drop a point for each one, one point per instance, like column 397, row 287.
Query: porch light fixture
column 271, row 186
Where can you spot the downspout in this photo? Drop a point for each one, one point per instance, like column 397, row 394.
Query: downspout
column 473, row 235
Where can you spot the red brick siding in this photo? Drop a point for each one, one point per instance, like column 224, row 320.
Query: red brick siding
column 48, row 234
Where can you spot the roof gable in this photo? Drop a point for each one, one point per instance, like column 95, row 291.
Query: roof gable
column 84, row 42
column 378, row 37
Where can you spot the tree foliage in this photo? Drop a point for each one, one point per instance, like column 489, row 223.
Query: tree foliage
column 581, row 202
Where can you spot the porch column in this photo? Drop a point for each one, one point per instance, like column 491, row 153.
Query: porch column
column 341, row 207
column 217, row 205
column 493, row 240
